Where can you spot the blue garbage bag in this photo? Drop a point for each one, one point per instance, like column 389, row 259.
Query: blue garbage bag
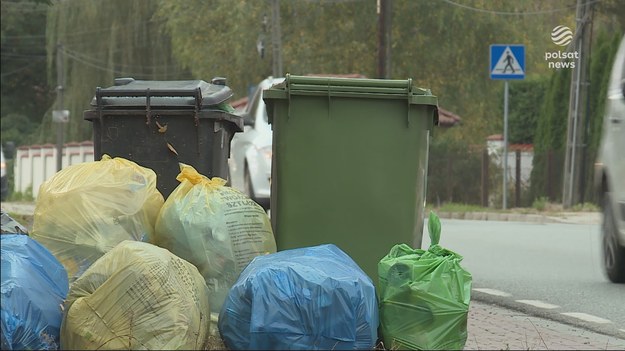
column 34, row 285
column 301, row 299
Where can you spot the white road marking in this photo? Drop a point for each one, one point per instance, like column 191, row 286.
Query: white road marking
column 493, row 292
column 539, row 304
column 587, row 317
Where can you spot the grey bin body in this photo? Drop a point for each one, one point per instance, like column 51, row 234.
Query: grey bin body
column 159, row 124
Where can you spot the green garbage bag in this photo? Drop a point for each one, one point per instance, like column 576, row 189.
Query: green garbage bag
column 424, row 296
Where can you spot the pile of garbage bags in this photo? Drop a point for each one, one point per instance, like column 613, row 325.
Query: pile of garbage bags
column 96, row 221
column 318, row 298
column 109, row 264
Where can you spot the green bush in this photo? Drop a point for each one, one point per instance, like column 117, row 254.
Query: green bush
column 22, row 196
column 454, row 172
column 540, row 204
column 524, row 109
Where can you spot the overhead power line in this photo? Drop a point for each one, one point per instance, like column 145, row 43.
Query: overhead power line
column 24, row 8
column 111, row 70
column 83, row 33
column 34, row 36
column 100, row 62
column 8, row 54
column 96, row 66
column 512, row 13
column 6, row 74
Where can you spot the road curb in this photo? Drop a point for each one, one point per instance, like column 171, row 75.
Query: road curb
column 591, row 218
column 495, row 216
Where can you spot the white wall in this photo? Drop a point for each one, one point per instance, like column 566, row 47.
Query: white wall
column 495, row 151
column 35, row 164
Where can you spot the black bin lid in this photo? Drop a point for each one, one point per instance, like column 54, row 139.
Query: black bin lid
column 128, row 92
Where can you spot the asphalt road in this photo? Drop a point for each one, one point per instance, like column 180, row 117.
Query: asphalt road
column 549, row 270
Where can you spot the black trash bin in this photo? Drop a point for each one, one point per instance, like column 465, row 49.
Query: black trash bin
column 158, row 124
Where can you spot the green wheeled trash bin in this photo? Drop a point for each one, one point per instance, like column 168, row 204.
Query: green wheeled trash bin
column 349, row 165
column 158, row 124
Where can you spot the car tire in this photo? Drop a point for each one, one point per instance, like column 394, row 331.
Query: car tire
column 613, row 253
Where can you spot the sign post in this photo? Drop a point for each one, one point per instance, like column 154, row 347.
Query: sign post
column 507, row 61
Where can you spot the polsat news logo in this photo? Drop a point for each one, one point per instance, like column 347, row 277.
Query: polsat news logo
column 561, row 36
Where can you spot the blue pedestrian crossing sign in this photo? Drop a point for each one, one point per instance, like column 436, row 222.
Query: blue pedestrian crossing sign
column 507, row 61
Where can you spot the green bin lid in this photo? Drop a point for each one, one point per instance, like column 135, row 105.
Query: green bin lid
column 351, row 87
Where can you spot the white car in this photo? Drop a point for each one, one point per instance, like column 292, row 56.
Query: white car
column 610, row 172
column 251, row 150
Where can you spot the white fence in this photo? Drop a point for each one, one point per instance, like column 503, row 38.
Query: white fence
column 495, row 151
column 35, row 164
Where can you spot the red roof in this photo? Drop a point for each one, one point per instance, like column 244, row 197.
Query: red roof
column 512, row 147
column 521, row 147
column 447, row 118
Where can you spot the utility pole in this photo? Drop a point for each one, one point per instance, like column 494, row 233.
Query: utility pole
column 578, row 96
column 384, row 10
column 60, row 116
column 276, row 39
column 260, row 43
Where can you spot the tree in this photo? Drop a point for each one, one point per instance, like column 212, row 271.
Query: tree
column 454, row 172
column 329, row 37
column 550, row 138
column 25, row 93
column 524, row 109
column 441, row 46
column 100, row 41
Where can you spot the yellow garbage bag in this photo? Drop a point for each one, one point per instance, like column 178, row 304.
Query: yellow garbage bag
column 215, row 227
column 86, row 209
column 137, row 297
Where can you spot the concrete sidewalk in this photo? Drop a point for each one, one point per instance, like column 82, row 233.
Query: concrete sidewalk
column 495, row 328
